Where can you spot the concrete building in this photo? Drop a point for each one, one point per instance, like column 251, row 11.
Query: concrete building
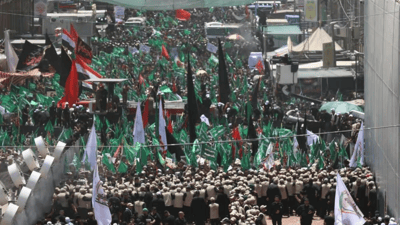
column 382, row 73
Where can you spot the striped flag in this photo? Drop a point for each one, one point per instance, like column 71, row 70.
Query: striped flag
column 68, row 40
column 85, row 70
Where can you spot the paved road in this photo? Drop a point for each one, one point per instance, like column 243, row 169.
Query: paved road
column 295, row 220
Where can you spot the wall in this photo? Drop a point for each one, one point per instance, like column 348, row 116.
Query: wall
column 15, row 15
column 382, row 71
column 40, row 200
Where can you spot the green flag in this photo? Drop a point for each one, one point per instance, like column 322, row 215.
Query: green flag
column 49, row 127
column 245, row 162
column 123, row 168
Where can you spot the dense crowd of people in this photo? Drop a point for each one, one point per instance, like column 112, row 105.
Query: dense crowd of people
column 204, row 196
column 183, row 193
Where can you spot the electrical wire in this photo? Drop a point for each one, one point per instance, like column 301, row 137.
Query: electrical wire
column 232, row 141
column 340, row 2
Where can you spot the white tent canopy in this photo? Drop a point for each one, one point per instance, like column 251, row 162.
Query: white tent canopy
column 175, row 4
column 315, row 42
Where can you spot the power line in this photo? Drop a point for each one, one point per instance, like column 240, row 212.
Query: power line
column 232, row 141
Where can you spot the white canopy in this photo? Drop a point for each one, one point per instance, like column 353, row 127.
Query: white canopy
column 315, row 42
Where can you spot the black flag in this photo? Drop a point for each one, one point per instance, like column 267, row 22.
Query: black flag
column 84, row 51
column 192, row 103
column 65, row 67
column 252, row 134
column 51, row 55
column 30, row 56
column 176, row 149
column 255, row 94
column 224, row 90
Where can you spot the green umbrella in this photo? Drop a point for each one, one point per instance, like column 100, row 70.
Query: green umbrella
column 340, row 107
column 281, row 132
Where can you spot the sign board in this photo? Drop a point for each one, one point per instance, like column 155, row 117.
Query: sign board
column 311, row 10
column 119, row 12
column 40, row 8
column 300, row 3
column 327, row 55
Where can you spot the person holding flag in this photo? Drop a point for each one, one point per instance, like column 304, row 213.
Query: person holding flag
column 346, row 210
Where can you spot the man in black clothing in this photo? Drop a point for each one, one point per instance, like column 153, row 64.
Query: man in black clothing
column 101, row 98
column 199, row 209
column 114, row 203
column 372, row 198
column 272, row 191
column 223, row 202
column 59, row 116
column 311, row 192
column 156, row 216
column 181, row 219
column 127, row 215
column 361, row 199
column 329, row 220
column 25, row 114
column 306, row 212
column 168, row 218
column 52, row 112
column 277, row 211
column 146, row 218
column 66, row 115
column 159, row 204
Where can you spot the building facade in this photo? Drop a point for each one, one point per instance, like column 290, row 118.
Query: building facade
column 382, row 110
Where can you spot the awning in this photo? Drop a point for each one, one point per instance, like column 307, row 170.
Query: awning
column 175, row 4
column 283, row 30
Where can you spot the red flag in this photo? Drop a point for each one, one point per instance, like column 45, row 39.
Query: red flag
column 182, row 15
column 260, row 67
column 73, row 33
column 164, row 52
column 117, row 152
column 236, row 136
column 71, row 91
column 170, row 127
column 174, row 89
column 141, row 80
column 145, row 115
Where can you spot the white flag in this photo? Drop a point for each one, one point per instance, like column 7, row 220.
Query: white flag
column 161, row 128
column 346, row 210
column 12, row 58
column 204, row 119
column 358, row 149
column 133, row 50
column 311, row 138
column 212, row 48
column 270, row 161
column 138, row 131
column 91, row 148
column 101, row 211
column 295, row 147
column 144, row 48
